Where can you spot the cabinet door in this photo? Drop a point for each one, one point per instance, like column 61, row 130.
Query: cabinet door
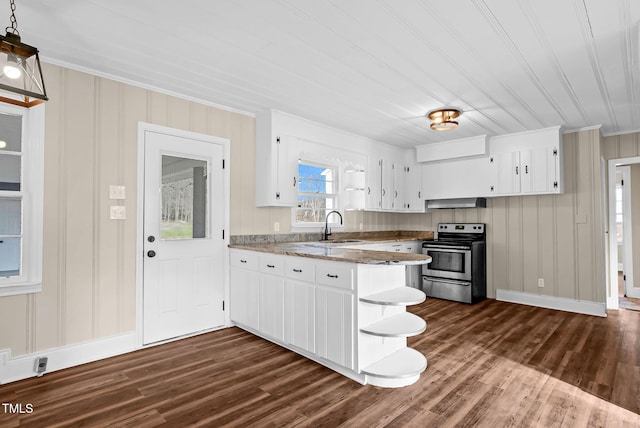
column 387, row 184
column 537, row 166
column 413, row 186
column 299, row 308
column 271, row 314
column 399, row 191
column 335, row 326
column 505, row 173
column 244, row 297
column 287, row 170
column 373, row 191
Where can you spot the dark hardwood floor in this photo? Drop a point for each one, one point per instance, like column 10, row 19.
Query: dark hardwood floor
column 492, row 364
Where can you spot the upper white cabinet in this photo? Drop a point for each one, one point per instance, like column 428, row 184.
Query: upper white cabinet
column 460, row 178
column 517, row 164
column 373, row 195
column 526, row 163
column 276, row 164
column 413, row 188
column 393, row 185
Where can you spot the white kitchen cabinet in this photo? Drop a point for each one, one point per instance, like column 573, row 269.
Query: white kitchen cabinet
column 373, row 195
column 414, row 202
column 244, row 288
column 276, row 164
column 335, row 325
column 299, row 304
column 271, row 295
column 388, row 184
column 349, row 317
column 534, row 171
column 459, row 178
column 526, row 163
column 393, row 185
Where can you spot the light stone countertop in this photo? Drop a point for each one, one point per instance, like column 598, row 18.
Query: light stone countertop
column 334, row 249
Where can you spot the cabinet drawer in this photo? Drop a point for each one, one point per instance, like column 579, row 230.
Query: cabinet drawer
column 397, row 248
column 335, row 275
column 244, row 260
column 299, row 268
column 272, row 264
column 412, row 247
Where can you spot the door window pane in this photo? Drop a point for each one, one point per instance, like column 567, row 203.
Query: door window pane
column 184, row 198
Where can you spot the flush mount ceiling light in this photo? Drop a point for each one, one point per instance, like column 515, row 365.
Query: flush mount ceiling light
column 20, row 71
column 443, row 119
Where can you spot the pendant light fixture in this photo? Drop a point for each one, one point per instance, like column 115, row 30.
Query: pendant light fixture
column 20, row 71
column 443, row 119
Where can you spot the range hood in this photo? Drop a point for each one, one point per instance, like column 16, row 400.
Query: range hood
column 457, row 203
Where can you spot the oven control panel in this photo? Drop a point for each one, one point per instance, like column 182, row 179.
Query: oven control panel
column 461, row 227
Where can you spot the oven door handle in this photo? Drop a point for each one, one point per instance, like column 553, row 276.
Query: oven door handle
column 446, row 281
column 448, row 247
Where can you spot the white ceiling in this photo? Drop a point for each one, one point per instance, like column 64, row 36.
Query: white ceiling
column 372, row 67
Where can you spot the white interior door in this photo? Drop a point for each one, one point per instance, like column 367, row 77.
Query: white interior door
column 184, row 206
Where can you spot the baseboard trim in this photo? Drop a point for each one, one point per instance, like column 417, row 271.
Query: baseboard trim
column 552, row 302
column 22, row 367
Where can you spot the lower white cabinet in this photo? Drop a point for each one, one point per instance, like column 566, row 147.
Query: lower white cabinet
column 272, row 306
column 335, row 326
column 299, row 304
column 349, row 317
column 272, row 295
column 244, row 288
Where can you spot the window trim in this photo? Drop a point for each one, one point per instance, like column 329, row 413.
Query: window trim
column 307, row 227
column 32, row 193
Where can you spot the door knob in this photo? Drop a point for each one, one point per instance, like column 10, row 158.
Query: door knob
column 151, row 253
column 151, row 238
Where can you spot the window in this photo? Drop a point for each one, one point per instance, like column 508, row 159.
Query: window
column 21, row 196
column 317, row 193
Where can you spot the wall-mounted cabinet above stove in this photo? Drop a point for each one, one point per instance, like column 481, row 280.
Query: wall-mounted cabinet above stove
column 525, row 163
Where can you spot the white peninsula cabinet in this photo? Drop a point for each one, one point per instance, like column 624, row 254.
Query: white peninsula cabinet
column 350, row 317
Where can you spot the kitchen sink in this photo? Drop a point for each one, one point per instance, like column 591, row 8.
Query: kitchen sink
column 323, row 243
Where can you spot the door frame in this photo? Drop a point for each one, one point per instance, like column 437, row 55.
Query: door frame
column 612, row 297
column 225, row 143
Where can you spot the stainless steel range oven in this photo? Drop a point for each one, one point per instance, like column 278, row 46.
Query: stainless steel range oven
column 458, row 263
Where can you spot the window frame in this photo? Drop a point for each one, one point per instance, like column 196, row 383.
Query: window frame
column 306, row 226
column 32, row 196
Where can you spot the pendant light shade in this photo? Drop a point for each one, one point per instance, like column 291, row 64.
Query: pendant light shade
column 20, row 70
column 443, row 119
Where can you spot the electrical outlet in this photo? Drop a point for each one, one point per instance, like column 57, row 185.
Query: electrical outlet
column 41, row 365
column 276, row 227
column 540, row 282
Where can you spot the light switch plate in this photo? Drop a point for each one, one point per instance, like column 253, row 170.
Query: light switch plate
column 116, row 192
column 118, row 212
